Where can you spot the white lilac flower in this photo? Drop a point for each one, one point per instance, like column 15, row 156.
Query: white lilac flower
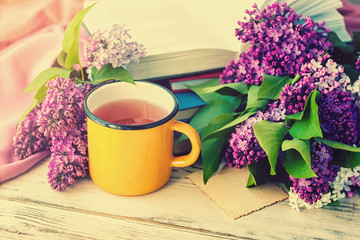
column 113, row 47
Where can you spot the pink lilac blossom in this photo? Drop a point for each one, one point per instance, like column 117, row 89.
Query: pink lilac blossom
column 326, row 74
column 69, row 160
column 244, row 148
column 280, row 44
column 276, row 111
column 28, row 139
column 113, row 47
column 62, row 107
column 312, row 189
column 62, row 119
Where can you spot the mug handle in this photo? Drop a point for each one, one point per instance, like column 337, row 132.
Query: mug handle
column 187, row 160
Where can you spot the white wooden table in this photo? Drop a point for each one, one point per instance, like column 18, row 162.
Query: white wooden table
column 29, row 209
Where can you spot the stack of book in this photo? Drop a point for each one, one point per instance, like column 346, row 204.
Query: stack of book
column 189, row 42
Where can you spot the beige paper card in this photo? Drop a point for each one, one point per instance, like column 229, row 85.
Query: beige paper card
column 228, row 190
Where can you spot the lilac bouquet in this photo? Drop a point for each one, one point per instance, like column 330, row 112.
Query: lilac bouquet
column 287, row 108
column 56, row 120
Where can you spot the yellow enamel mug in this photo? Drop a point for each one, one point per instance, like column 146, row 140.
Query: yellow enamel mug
column 135, row 159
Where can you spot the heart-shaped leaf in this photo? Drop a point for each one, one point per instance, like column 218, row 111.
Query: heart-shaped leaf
column 259, row 173
column 61, row 58
column 107, row 72
column 271, row 86
column 306, row 124
column 298, row 158
column 207, row 92
column 217, row 123
column 211, row 154
column 270, row 136
column 231, row 89
column 207, row 113
column 343, row 155
column 231, row 124
column 71, row 38
column 253, row 103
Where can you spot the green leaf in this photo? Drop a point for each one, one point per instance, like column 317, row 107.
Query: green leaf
column 343, row 155
column 251, row 181
column 217, row 123
column 231, row 124
column 338, row 145
column 306, row 124
column 253, row 103
column 295, row 79
column 345, row 159
column 231, row 89
column 207, row 113
column 272, row 86
column 270, row 136
column 259, row 173
column 356, row 39
column 211, row 153
column 61, row 58
column 298, row 158
column 71, row 38
column 47, row 75
column 39, row 96
column 107, row 72
column 343, row 47
column 335, row 203
column 206, row 92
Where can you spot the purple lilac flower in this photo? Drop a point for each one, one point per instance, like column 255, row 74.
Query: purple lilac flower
column 280, row 44
column 346, row 183
column 62, row 119
column 340, row 118
column 326, row 74
column 29, row 140
column 352, row 183
column 113, row 47
column 357, row 63
column 62, row 107
column 355, row 92
column 69, row 159
column 312, row 189
column 293, row 97
column 276, row 111
column 323, row 74
column 244, row 148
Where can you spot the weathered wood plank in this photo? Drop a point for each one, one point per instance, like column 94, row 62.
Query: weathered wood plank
column 180, row 204
column 23, row 220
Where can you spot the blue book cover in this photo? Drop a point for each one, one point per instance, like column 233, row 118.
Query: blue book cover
column 188, row 100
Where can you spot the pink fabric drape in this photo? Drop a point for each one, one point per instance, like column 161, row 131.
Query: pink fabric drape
column 30, row 39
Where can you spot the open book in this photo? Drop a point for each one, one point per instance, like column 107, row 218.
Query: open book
column 319, row 11
column 184, row 37
column 180, row 36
